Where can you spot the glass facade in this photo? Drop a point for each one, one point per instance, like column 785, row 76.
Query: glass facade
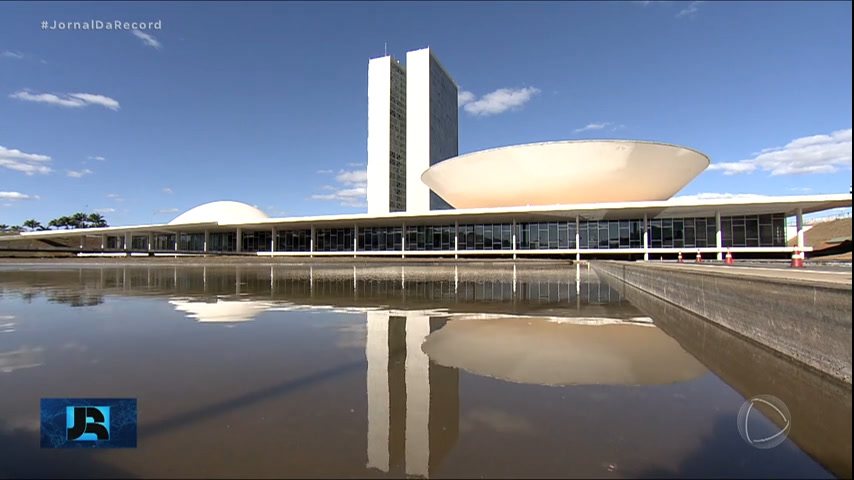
column 333, row 240
column 429, row 237
column 444, row 118
column 293, row 240
column 672, row 233
column 380, row 239
column 223, row 242
column 754, row 230
column 545, row 235
column 139, row 242
column 191, row 242
column 397, row 140
column 611, row 234
column 490, row 236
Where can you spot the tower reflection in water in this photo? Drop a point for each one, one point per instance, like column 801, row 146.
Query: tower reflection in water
column 413, row 405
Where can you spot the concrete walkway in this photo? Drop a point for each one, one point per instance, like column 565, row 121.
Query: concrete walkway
column 820, row 274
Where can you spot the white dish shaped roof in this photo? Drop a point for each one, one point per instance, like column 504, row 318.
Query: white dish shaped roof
column 565, row 173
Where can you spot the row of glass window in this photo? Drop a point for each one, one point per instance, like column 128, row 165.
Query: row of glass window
column 701, row 232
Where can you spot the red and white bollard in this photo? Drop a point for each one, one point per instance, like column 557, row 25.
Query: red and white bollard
column 679, row 258
column 728, row 259
column 699, row 256
column 797, row 258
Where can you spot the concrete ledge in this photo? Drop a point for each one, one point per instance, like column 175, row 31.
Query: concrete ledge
column 820, row 406
column 809, row 323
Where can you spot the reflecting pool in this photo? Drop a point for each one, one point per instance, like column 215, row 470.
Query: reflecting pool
column 388, row 371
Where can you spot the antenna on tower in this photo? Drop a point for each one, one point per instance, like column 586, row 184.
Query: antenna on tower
column 385, row 49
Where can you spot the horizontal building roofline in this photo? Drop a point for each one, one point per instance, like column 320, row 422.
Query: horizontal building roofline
column 654, row 209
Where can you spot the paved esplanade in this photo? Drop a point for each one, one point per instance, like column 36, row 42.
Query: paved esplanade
column 779, row 271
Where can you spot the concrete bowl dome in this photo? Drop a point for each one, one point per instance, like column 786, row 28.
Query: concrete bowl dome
column 225, row 212
column 566, row 172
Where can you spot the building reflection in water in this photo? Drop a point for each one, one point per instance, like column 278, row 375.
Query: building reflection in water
column 413, row 404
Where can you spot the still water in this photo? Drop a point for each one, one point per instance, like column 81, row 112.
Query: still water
column 391, row 371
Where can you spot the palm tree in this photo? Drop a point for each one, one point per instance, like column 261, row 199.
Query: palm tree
column 78, row 220
column 3, row 227
column 97, row 220
column 15, row 228
column 32, row 224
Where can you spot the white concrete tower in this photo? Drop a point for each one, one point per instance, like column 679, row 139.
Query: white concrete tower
column 431, row 125
column 386, row 190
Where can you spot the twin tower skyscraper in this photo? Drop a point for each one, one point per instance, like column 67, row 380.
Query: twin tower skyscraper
column 412, row 124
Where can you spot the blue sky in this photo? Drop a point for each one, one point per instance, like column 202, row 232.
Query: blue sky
column 266, row 103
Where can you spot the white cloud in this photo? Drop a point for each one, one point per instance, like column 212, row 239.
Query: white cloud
column 719, row 196
column 352, row 177
column 98, row 158
column 19, row 155
column 325, row 171
column 592, row 126
column 167, row 190
column 71, row 100
column 465, row 97
column 690, row 10
column 813, row 154
column 28, row 163
column 17, row 196
column 104, row 210
column 10, row 54
column 147, row 39
column 78, row 173
column 356, row 164
column 496, row 102
column 352, row 191
column 165, row 211
column 115, row 197
column 801, row 189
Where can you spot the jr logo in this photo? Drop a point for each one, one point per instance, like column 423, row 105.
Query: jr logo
column 87, row 423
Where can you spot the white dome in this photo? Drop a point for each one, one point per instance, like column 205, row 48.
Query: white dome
column 224, row 212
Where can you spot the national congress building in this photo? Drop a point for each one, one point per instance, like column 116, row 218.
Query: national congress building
column 602, row 198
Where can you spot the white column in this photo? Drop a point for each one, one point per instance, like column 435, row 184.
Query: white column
column 150, row 241
column 207, row 245
column 355, row 240
column 577, row 239
column 103, row 242
column 376, row 352
column 514, row 247
column 645, row 238
column 273, row 240
column 403, row 242
column 239, row 238
column 456, row 239
column 718, row 235
column 82, row 241
column 799, row 221
column 311, row 243
column 177, row 237
column 417, row 397
column 127, row 240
